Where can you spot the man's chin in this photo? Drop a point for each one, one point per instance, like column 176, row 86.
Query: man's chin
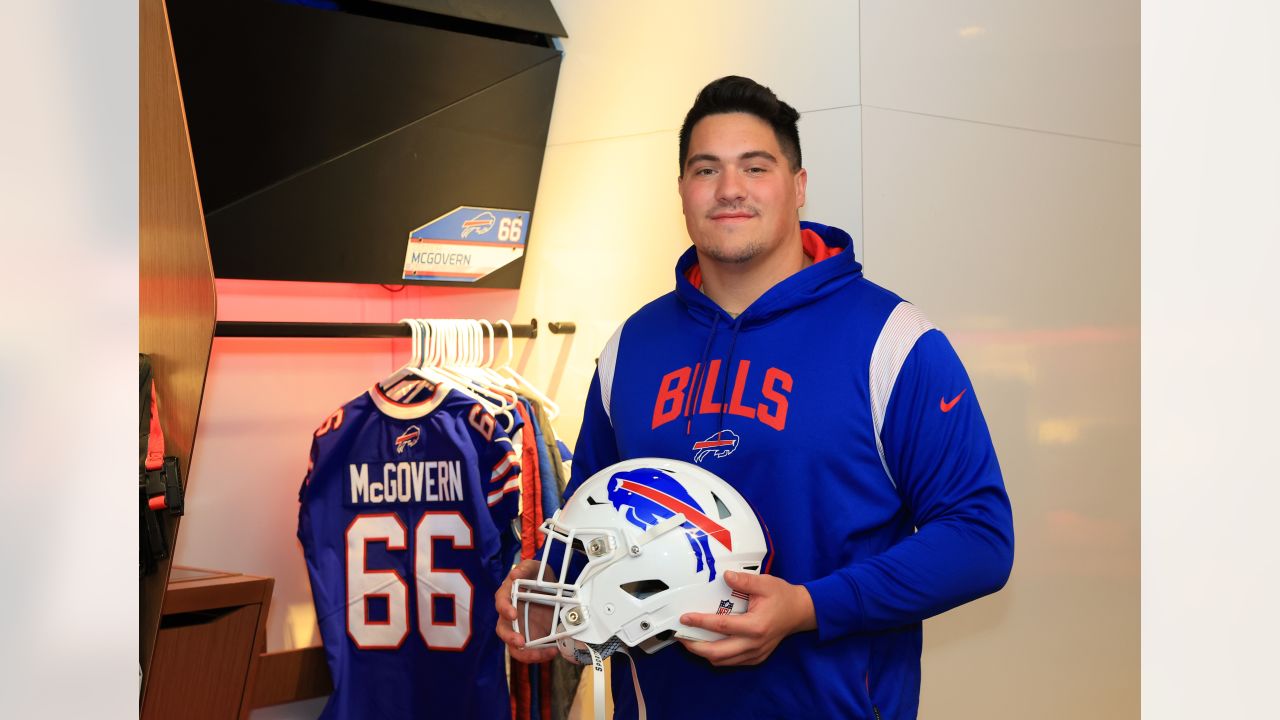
column 730, row 255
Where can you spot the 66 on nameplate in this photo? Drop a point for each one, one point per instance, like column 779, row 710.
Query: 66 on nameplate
column 465, row 244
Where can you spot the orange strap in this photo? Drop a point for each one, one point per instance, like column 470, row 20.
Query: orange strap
column 530, row 490
column 155, row 438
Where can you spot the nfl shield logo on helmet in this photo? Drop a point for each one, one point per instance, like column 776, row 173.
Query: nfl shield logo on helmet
column 408, row 438
column 721, row 444
column 726, row 607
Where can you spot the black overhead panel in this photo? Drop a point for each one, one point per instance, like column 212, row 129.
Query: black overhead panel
column 322, row 138
column 489, row 145
column 534, row 15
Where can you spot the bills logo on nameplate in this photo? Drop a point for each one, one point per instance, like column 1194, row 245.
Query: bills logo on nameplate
column 465, row 244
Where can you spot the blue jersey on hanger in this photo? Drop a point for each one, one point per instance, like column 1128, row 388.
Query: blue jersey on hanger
column 405, row 522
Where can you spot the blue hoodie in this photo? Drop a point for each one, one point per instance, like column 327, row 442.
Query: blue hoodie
column 854, row 431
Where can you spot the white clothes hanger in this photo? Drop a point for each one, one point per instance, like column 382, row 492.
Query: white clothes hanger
column 423, row 369
column 470, row 339
column 408, row 370
column 484, row 363
column 440, row 356
column 525, row 387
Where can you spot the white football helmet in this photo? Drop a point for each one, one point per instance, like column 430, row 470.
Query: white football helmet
column 656, row 537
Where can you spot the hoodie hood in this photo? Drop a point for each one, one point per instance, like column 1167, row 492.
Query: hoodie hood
column 834, row 266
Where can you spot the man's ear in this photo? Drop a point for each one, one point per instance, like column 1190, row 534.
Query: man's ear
column 802, row 182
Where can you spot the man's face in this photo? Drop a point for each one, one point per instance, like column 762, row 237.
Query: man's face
column 741, row 198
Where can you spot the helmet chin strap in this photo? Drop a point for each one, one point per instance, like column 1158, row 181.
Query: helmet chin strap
column 595, row 654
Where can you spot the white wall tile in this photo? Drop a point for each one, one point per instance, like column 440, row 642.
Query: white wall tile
column 1034, row 230
column 831, row 141
column 1068, row 66
column 604, row 241
column 1023, row 247
column 636, row 67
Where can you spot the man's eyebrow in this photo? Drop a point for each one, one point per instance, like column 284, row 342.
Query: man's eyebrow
column 707, row 157
column 701, row 157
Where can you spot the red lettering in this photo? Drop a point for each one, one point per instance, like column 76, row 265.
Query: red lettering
column 481, row 421
column 777, row 418
column 670, row 400
column 333, row 422
column 706, row 407
column 740, row 384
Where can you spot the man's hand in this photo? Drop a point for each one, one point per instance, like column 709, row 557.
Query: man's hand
column 539, row 618
column 776, row 610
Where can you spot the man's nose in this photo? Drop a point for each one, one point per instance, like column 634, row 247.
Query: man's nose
column 730, row 188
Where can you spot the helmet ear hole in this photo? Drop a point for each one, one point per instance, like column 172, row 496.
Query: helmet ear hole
column 641, row 589
column 659, row 641
column 721, row 508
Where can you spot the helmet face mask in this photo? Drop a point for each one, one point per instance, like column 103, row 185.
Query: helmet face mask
column 637, row 545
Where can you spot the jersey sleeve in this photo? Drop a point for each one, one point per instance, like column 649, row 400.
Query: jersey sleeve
column 938, row 452
column 304, row 487
column 500, row 467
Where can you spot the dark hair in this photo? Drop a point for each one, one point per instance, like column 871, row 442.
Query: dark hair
column 733, row 94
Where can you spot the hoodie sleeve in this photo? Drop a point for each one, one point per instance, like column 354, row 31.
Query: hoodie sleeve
column 597, row 447
column 939, row 454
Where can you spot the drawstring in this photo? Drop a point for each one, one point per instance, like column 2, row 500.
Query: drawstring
column 694, row 396
column 737, row 325
column 695, row 388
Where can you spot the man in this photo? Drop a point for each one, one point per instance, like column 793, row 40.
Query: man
column 856, row 435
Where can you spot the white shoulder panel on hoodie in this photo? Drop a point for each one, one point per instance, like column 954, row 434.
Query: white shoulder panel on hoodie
column 901, row 330
column 608, row 360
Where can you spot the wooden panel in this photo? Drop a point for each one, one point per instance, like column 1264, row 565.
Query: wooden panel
column 207, row 647
column 290, row 676
column 201, row 664
column 176, row 302
column 203, row 589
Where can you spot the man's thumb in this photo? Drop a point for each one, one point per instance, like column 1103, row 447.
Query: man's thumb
column 738, row 580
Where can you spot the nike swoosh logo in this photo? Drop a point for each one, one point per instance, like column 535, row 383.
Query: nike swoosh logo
column 945, row 406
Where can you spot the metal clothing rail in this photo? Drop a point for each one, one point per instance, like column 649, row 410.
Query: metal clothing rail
column 237, row 328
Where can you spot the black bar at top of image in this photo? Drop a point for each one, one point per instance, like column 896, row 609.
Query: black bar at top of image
column 236, row 328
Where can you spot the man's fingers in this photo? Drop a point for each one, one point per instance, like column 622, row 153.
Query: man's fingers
column 718, row 651
column 726, row 653
column 532, row 657
column 723, row 624
column 746, row 582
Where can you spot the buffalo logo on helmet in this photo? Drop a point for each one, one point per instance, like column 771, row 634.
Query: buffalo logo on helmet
column 408, row 438
column 720, row 444
column 479, row 224
column 648, row 496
